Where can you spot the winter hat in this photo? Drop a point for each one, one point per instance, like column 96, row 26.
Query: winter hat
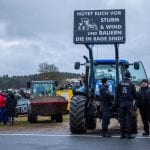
column 104, row 80
column 2, row 93
column 145, row 80
column 127, row 74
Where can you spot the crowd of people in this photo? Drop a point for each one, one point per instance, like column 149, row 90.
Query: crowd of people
column 8, row 104
column 127, row 96
column 126, row 93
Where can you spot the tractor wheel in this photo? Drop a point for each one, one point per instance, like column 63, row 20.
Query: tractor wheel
column 53, row 117
column 59, row 118
column 91, row 122
column 32, row 118
column 77, row 114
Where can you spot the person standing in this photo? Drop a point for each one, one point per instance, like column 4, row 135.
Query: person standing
column 126, row 93
column 11, row 107
column 107, row 101
column 3, row 115
column 143, row 103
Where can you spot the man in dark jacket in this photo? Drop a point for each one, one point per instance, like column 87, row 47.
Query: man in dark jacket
column 143, row 103
column 107, row 100
column 11, row 107
column 127, row 93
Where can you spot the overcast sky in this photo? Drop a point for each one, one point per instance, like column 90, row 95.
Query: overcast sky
column 36, row 31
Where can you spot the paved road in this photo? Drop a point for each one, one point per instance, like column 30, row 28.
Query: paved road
column 31, row 141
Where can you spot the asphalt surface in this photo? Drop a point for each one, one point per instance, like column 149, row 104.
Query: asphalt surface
column 57, row 141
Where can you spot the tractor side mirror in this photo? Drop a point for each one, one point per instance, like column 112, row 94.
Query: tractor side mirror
column 77, row 65
column 126, row 66
column 136, row 65
column 28, row 84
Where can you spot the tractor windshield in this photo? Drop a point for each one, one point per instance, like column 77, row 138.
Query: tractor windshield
column 40, row 89
column 137, row 75
column 107, row 71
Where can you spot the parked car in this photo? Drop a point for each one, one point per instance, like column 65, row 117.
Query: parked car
column 22, row 106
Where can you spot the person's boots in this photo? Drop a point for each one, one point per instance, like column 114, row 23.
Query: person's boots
column 106, row 134
column 123, row 136
column 12, row 121
column 145, row 133
column 130, row 136
column 9, row 121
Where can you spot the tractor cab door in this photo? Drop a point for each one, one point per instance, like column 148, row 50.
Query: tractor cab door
column 137, row 74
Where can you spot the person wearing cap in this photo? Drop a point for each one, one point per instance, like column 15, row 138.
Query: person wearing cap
column 107, row 101
column 126, row 94
column 143, row 103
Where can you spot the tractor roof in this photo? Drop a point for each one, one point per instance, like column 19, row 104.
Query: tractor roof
column 43, row 82
column 109, row 61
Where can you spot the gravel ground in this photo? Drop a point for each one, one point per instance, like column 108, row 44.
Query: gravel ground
column 45, row 125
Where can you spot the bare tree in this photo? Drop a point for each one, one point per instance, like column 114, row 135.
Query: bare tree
column 47, row 68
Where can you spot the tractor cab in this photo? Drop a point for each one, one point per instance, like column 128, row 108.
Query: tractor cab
column 40, row 88
column 106, row 68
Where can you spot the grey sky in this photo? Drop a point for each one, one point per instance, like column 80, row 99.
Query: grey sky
column 36, row 31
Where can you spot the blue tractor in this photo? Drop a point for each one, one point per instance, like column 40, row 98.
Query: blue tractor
column 86, row 106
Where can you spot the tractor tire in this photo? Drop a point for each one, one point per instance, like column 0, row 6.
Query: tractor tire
column 59, row 118
column 77, row 114
column 32, row 118
column 91, row 122
column 53, row 117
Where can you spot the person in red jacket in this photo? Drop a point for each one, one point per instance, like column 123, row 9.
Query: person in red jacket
column 3, row 115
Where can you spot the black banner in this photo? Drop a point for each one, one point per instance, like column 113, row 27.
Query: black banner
column 99, row 26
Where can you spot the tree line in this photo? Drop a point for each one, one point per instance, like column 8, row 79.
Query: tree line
column 46, row 72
